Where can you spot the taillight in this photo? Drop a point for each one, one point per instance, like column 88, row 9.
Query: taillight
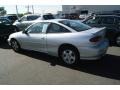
column 95, row 39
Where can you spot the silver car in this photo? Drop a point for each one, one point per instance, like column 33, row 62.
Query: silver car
column 29, row 19
column 67, row 39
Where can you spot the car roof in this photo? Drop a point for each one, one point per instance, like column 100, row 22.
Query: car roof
column 51, row 20
column 32, row 15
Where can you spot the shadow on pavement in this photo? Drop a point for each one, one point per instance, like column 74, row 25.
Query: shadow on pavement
column 107, row 67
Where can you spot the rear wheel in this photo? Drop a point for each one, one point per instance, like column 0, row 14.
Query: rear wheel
column 15, row 45
column 69, row 55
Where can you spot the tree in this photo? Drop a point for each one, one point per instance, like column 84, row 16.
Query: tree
column 2, row 11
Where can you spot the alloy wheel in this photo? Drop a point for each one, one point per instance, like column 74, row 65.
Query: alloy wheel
column 15, row 45
column 68, row 56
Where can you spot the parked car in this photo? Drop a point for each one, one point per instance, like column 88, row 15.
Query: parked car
column 6, row 28
column 11, row 18
column 27, row 20
column 67, row 39
column 74, row 16
column 46, row 16
column 22, row 23
column 112, row 24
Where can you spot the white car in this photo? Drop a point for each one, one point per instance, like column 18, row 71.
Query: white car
column 67, row 39
column 29, row 19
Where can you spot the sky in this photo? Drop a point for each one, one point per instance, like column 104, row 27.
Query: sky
column 38, row 9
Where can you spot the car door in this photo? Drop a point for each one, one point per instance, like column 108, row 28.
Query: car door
column 34, row 38
column 54, row 37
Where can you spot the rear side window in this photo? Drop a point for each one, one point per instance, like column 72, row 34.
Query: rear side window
column 29, row 18
column 77, row 26
column 55, row 28
column 46, row 17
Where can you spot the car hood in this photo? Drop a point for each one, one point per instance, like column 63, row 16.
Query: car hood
column 15, row 34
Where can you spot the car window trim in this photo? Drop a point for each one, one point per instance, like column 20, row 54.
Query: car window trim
column 58, row 25
column 42, row 29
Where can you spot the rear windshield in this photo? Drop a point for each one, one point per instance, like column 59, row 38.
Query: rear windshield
column 76, row 25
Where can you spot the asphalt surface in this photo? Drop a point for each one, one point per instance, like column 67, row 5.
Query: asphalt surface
column 29, row 67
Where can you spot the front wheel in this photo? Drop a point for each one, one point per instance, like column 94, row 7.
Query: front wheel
column 69, row 55
column 15, row 45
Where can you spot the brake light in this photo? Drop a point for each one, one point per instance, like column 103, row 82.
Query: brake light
column 95, row 39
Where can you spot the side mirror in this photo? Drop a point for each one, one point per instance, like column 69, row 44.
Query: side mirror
column 25, row 32
column 19, row 20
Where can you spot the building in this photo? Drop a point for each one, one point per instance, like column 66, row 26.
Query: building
column 88, row 8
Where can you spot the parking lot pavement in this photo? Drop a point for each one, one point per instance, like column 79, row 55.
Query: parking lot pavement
column 30, row 67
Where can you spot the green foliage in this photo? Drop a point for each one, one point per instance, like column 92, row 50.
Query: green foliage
column 27, row 13
column 2, row 11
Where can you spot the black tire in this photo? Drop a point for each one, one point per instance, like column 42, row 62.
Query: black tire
column 69, row 59
column 15, row 45
column 118, row 40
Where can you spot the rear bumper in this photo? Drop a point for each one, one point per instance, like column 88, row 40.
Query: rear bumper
column 95, row 52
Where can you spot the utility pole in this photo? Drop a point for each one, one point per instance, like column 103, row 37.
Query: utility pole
column 17, row 11
column 28, row 8
column 33, row 9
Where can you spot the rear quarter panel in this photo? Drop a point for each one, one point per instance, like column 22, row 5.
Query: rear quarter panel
column 54, row 41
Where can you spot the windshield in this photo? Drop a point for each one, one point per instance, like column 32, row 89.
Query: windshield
column 77, row 26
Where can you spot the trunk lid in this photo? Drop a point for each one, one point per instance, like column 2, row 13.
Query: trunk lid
column 95, row 33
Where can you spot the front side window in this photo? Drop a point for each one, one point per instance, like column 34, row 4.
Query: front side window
column 38, row 27
column 77, row 26
column 55, row 28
